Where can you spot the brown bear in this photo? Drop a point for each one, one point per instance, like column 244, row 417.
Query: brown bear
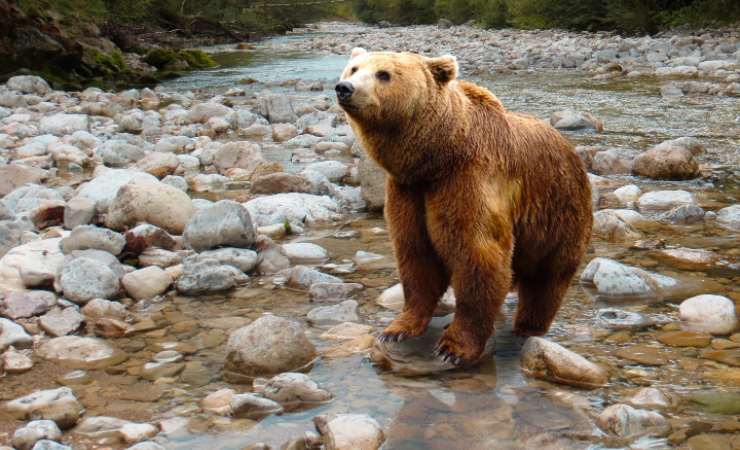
column 477, row 197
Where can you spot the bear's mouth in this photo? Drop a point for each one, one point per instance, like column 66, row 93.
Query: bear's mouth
column 347, row 105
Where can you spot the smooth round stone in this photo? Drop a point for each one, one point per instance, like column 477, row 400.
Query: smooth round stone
column 541, row 358
column 712, row 314
column 350, row 431
column 292, row 389
column 305, row 253
column 81, row 352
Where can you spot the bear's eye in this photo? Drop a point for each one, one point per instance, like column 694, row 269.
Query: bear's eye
column 353, row 70
column 382, row 75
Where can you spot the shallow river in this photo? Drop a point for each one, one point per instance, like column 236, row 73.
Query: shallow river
column 491, row 406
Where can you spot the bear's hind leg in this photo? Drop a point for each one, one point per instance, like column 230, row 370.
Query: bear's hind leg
column 540, row 297
column 423, row 274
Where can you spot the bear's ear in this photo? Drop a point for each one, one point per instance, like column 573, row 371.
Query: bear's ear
column 357, row 51
column 443, row 68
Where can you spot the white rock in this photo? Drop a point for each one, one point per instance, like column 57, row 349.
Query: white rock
column 60, row 322
column 612, row 278
column 625, row 421
column 333, row 170
column 151, row 202
column 13, row 361
column 350, row 432
column 729, row 217
column 241, row 258
column 291, row 389
column 708, row 314
column 62, row 124
column 650, row 398
column 571, row 120
column 26, row 437
column 39, row 261
column 627, row 194
column 252, row 406
column 59, row 405
column 13, row 334
column 657, row 201
column 103, row 188
column 146, row 283
column 293, row 207
column 305, row 253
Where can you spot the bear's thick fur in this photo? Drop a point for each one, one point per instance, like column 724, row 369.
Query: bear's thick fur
column 477, row 197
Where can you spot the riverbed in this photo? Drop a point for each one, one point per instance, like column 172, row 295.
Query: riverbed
column 493, row 405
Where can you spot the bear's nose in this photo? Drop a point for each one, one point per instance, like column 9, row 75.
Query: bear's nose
column 344, row 90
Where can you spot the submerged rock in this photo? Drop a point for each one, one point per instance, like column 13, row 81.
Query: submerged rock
column 349, row 432
column 550, row 361
column 345, row 311
column 619, row 319
column 627, row 422
column 58, row 405
column 81, row 352
column 729, row 217
column 292, row 389
column 252, row 406
column 267, row 346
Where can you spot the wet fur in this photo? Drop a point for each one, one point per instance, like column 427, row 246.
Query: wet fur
column 477, row 197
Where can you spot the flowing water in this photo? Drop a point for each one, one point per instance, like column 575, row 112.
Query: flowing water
column 493, row 406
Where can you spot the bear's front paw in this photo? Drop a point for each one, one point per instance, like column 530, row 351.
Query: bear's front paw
column 404, row 326
column 461, row 348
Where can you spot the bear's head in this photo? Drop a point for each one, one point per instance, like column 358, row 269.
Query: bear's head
column 386, row 89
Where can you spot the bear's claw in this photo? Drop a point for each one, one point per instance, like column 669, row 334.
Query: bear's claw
column 392, row 337
column 447, row 356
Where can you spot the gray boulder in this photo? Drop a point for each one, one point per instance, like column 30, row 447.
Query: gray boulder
column 225, row 223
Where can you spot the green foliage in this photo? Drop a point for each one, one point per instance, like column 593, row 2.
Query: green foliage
column 631, row 16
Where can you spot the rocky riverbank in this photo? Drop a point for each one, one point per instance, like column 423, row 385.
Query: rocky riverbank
column 190, row 269
column 701, row 62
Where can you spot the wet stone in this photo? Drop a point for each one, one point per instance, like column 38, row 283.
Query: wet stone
column 731, row 357
column 619, row 319
column 267, row 346
column 347, row 330
column 26, row 437
column 552, row 362
column 45, row 444
column 684, row 339
column 305, row 253
column 252, row 406
column 59, row 405
column 333, row 291
column 81, row 352
column 643, row 354
column 349, row 432
column 303, row 277
column 626, row 421
column 650, row 398
column 342, row 312
column 414, row 357
column 292, row 390
column 713, row 314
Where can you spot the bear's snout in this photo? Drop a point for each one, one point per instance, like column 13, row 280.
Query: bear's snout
column 344, row 90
